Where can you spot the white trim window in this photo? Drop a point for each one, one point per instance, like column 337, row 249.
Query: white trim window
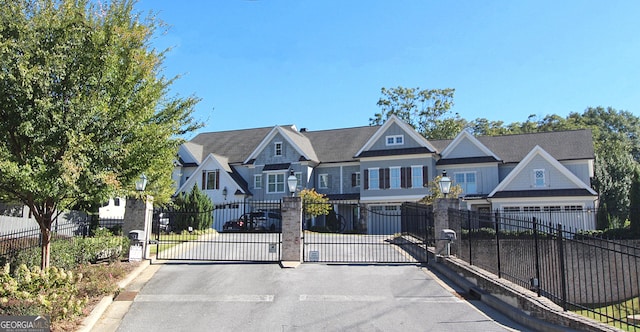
column 552, row 208
column 394, row 178
column 539, row 178
column 298, row 176
column 374, row 178
column 394, row 140
column 355, row 179
column 275, row 183
column 511, row 209
column 323, row 181
column 468, row 182
column 416, row 177
column 212, row 179
column 257, row 181
column 277, row 148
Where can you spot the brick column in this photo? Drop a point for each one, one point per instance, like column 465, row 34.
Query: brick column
column 291, row 231
column 441, row 221
column 138, row 215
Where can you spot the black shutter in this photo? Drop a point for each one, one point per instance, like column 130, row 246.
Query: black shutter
column 366, row 179
column 384, row 175
column 204, row 180
column 218, row 179
column 405, row 177
column 353, row 179
column 425, row 176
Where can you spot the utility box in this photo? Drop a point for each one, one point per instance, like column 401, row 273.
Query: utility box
column 137, row 238
column 448, row 234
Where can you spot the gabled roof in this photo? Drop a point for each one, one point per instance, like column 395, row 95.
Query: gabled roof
column 393, row 119
column 236, row 145
column 339, row 145
column 293, row 137
column 194, row 150
column 562, row 145
column 466, row 136
column 223, row 162
column 538, row 151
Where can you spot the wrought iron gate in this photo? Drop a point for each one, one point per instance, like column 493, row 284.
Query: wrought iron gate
column 235, row 231
column 374, row 234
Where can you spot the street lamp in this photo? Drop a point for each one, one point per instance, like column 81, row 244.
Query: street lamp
column 445, row 184
column 141, row 183
column 292, row 182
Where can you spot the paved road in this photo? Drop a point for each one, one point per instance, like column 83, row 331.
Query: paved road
column 312, row 297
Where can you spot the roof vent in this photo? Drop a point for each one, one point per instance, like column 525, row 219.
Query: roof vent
column 303, row 130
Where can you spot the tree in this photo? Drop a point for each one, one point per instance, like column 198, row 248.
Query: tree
column 193, row 210
column 435, row 192
column 425, row 110
column 85, row 109
column 634, row 213
column 314, row 204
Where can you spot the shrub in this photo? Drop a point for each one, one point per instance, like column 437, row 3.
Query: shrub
column 34, row 291
column 194, row 210
column 69, row 253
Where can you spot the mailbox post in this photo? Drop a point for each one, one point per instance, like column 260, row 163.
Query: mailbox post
column 444, row 232
column 447, row 235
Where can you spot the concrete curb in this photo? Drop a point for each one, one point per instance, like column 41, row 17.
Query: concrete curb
column 90, row 321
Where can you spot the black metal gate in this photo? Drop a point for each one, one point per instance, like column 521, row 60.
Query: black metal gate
column 234, row 231
column 371, row 234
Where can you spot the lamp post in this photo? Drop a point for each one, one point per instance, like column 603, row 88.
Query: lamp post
column 137, row 221
column 292, row 182
column 141, row 183
column 445, row 184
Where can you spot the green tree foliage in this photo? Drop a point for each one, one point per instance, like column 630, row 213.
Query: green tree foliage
column 428, row 110
column 634, row 209
column 84, row 107
column 193, row 210
column 435, row 192
column 314, row 204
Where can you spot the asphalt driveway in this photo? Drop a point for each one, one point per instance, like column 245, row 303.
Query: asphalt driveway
column 312, row 297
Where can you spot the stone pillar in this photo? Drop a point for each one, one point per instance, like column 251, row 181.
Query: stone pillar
column 441, row 221
column 138, row 215
column 292, row 231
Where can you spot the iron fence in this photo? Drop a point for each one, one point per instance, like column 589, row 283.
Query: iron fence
column 14, row 242
column 596, row 277
column 246, row 231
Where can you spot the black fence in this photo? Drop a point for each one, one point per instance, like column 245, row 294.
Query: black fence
column 598, row 278
column 244, row 231
column 13, row 242
column 352, row 233
column 417, row 221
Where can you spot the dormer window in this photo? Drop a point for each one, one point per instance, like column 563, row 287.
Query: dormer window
column 278, row 149
column 395, row 140
column 538, row 178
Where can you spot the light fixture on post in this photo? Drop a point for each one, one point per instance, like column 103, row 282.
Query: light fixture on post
column 445, row 184
column 141, row 183
column 292, row 182
column 224, row 193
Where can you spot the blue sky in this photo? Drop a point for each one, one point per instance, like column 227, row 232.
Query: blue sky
column 321, row 64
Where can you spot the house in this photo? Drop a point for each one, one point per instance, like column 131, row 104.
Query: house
column 379, row 167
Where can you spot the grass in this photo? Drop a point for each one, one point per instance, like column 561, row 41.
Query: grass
column 616, row 314
column 167, row 241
